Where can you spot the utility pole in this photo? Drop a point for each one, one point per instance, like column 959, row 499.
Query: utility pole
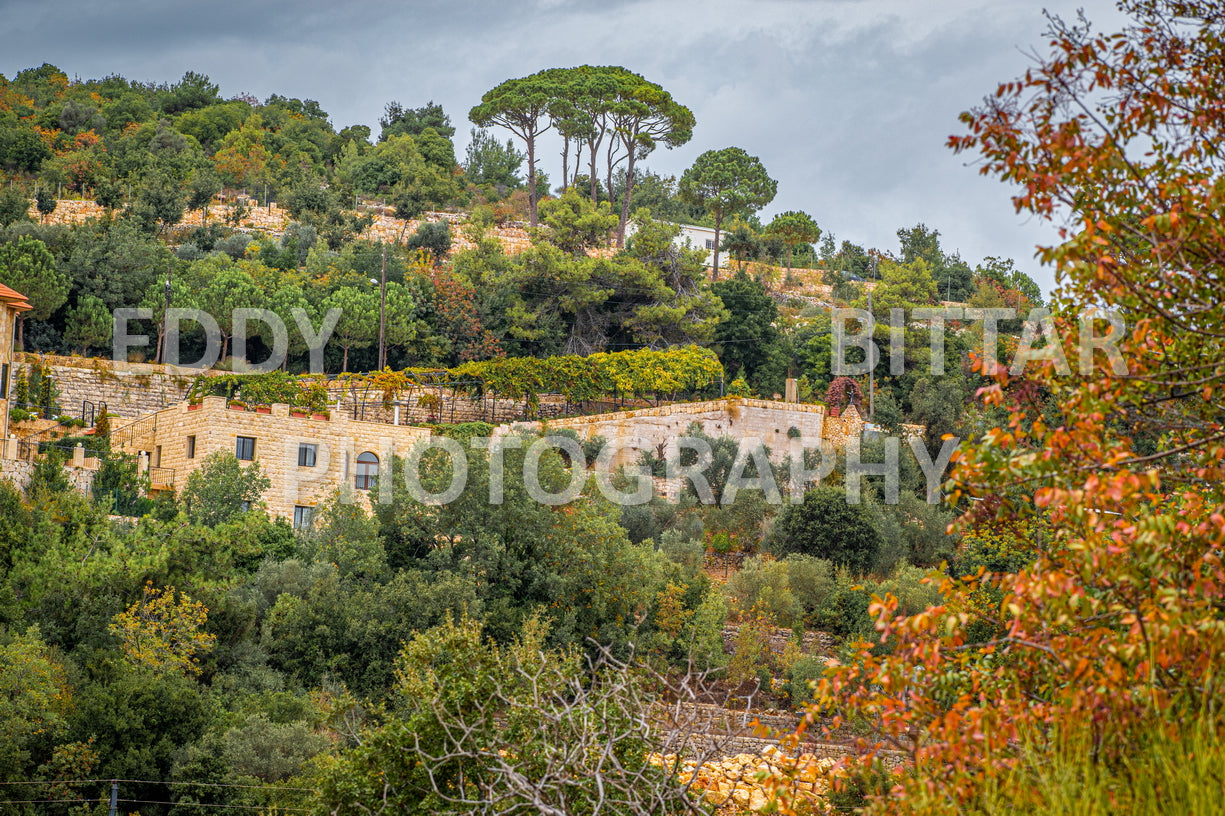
column 114, row 798
column 383, row 313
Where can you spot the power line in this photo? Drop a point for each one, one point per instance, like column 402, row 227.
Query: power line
column 208, row 805
column 157, row 782
column 210, row 784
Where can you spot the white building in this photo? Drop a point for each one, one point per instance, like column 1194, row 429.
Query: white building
column 692, row 236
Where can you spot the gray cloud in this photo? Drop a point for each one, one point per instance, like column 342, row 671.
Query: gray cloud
column 848, row 103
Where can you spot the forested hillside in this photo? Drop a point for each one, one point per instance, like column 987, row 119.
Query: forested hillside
column 434, row 658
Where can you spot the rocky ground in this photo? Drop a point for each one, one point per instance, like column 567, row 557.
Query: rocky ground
column 749, row 783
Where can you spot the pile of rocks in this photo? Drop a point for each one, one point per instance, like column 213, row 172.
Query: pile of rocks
column 747, row 783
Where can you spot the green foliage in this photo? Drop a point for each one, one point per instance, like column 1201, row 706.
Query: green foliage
column 433, row 237
column 89, row 324
column 119, row 481
column 14, row 206
column 522, row 725
column 574, row 225
column 794, row 228
column 28, row 267
column 748, row 341
column 727, row 182
column 490, row 162
column 583, row 378
column 35, row 699
column 45, row 201
column 261, row 389
column 222, row 488
column 826, row 526
column 400, row 121
column 49, row 477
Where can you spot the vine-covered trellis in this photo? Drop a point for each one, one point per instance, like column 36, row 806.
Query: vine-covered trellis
column 667, row 375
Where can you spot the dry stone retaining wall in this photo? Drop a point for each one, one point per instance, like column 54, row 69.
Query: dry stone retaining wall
column 129, row 390
column 653, row 429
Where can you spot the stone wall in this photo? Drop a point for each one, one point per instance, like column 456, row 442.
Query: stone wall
column 657, row 429
column 129, row 390
column 421, row 406
column 273, row 220
column 18, row 472
column 8, row 319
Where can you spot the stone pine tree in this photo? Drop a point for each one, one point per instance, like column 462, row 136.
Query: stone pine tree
column 522, row 106
column 88, row 325
column 28, row 267
column 727, row 182
column 794, row 228
column 645, row 115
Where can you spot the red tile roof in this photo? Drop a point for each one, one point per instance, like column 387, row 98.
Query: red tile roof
column 14, row 299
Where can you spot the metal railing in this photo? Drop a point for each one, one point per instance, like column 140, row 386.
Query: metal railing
column 161, row 478
column 131, row 435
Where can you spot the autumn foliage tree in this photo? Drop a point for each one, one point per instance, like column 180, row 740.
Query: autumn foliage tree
column 1113, row 633
column 164, row 630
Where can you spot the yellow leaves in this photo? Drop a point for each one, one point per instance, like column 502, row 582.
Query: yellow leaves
column 163, row 630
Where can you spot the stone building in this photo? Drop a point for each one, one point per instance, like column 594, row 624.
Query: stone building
column 12, row 304
column 306, row 457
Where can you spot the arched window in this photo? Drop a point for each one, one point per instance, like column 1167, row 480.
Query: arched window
column 367, row 470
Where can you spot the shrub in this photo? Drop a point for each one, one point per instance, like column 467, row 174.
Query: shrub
column 683, row 550
column 826, row 526
column 803, row 672
column 763, row 587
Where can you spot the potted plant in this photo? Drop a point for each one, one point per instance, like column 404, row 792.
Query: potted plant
column 237, row 405
column 194, row 406
column 324, row 415
column 300, row 413
column 263, row 409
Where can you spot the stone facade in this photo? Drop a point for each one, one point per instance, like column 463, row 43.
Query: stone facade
column 657, row 429
column 80, row 469
column 178, row 440
column 152, row 399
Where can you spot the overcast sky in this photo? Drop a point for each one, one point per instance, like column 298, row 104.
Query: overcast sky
column 848, row 103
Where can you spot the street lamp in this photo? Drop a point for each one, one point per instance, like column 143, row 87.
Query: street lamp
column 382, row 284
column 383, row 312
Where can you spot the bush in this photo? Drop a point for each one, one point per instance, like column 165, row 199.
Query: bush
column 683, row 550
column 812, row 581
column 188, row 252
column 222, row 488
column 433, row 237
column 763, row 587
column 233, row 245
column 826, row 526
column 803, row 672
